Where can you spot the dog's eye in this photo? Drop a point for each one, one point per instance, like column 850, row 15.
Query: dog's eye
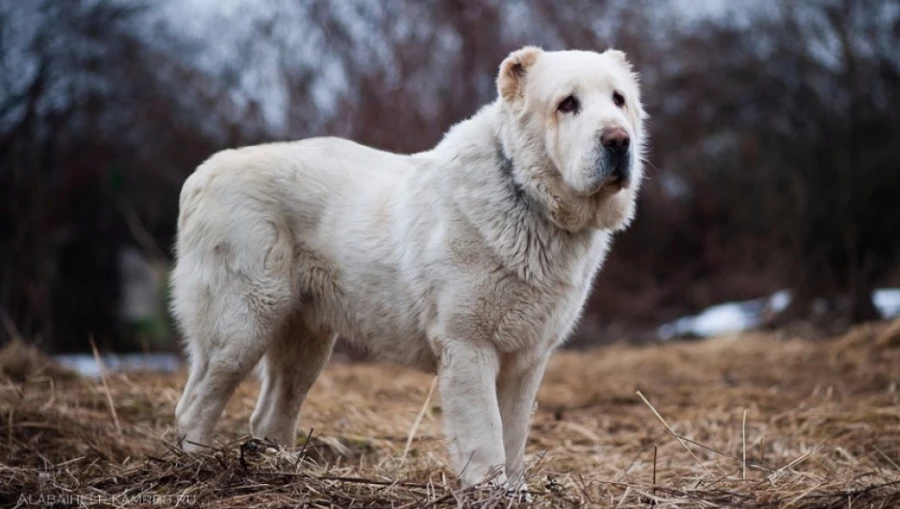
column 569, row 105
column 618, row 99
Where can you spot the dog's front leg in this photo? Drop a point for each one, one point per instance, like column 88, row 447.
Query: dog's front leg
column 467, row 380
column 517, row 387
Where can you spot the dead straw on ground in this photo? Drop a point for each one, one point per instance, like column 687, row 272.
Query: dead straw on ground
column 754, row 421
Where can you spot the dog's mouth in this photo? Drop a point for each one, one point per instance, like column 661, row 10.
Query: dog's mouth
column 608, row 178
column 608, row 187
column 614, row 184
column 613, row 174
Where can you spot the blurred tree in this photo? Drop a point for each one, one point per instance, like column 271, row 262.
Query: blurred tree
column 100, row 121
column 793, row 120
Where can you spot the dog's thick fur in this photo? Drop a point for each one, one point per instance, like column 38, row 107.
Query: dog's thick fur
column 472, row 260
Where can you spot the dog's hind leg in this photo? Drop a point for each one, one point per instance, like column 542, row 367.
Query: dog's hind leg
column 292, row 364
column 237, row 346
column 199, row 362
column 231, row 303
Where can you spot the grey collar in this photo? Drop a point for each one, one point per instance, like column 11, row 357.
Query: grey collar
column 506, row 169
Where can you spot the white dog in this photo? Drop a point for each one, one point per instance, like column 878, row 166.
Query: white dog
column 472, row 260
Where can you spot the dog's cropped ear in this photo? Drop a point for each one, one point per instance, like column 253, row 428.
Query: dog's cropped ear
column 513, row 71
column 619, row 57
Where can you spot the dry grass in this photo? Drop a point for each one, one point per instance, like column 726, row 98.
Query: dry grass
column 660, row 426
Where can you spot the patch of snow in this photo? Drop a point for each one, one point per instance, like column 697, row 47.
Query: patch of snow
column 779, row 301
column 887, row 300
column 720, row 319
column 731, row 317
column 85, row 364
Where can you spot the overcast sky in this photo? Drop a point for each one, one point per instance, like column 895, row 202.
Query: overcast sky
column 224, row 27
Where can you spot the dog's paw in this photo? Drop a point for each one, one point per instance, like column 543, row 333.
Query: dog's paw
column 516, row 492
column 520, row 493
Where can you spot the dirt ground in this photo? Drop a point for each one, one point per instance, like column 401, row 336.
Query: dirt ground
column 751, row 421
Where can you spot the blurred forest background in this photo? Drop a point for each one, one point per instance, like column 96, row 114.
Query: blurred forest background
column 775, row 140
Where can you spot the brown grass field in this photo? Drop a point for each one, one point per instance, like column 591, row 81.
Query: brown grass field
column 759, row 420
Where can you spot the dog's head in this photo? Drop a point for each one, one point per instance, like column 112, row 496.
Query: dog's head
column 575, row 123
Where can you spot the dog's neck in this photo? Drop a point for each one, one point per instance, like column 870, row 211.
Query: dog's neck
column 504, row 197
column 546, row 193
column 507, row 170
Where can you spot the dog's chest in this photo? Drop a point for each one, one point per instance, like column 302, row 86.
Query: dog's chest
column 557, row 305
column 540, row 320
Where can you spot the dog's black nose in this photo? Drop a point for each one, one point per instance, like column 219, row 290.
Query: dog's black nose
column 616, row 141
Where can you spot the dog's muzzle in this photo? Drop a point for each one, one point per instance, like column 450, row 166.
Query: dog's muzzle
column 617, row 155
